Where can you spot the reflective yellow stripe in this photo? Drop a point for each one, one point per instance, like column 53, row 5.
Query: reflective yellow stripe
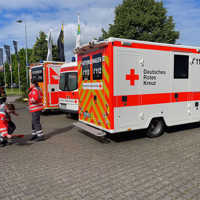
column 86, row 99
column 105, row 73
column 83, row 94
column 35, row 108
column 106, row 60
column 3, row 113
column 98, row 115
column 33, row 105
column 4, row 133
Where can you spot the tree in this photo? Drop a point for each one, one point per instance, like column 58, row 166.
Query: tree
column 40, row 49
column 142, row 20
column 22, row 67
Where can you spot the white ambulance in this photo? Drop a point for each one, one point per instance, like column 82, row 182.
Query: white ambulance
column 126, row 85
column 68, row 88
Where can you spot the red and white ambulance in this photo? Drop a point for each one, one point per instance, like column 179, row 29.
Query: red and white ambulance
column 126, row 85
column 68, row 85
column 47, row 74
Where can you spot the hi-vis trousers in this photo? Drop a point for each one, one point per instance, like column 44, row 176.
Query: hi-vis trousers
column 36, row 125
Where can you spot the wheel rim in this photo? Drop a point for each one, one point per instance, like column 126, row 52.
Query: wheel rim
column 155, row 127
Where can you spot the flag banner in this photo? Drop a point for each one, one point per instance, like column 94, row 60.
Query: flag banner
column 61, row 45
column 1, row 59
column 50, row 44
column 1, row 68
column 78, row 36
column 7, row 50
column 16, row 49
column 1, row 56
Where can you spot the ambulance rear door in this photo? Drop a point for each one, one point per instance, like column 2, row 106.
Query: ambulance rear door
column 53, row 73
column 94, row 91
column 100, row 90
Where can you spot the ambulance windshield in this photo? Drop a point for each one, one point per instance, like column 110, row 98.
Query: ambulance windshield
column 68, row 81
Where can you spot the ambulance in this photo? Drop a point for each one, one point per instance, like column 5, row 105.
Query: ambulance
column 68, row 88
column 47, row 74
column 126, row 85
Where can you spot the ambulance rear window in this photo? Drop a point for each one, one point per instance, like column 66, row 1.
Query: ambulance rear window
column 37, row 74
column 97, row 66
column 86, row 68
column 181, row 66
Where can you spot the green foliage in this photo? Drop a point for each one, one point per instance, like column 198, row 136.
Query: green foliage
column 13, row 92
column 142, row 20
column 40, row 49
column 22, row 70
column 38, row 53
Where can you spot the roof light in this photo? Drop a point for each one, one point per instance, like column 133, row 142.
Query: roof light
column 124, row 43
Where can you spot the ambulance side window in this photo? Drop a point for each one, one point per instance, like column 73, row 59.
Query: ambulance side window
column 181, row 66
column 86, row 68
column 97, row 66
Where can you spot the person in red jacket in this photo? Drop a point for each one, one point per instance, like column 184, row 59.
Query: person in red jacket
column 7, row 127
column 35, row 106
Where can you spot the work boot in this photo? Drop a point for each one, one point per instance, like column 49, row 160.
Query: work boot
column 40, row 138
column 40, row 135
column 33, row 137
column 3, row 142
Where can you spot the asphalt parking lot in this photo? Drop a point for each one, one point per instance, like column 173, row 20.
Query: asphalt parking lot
column 70, row 165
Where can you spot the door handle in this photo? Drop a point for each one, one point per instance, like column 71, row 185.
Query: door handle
column 197, row 105
column 95, row 99
column 176, row 96
column 124, row 100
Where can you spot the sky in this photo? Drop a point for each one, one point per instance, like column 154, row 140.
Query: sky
column 43, row 15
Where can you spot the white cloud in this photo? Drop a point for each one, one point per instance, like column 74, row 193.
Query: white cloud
column 41, row 16
column 58, row 4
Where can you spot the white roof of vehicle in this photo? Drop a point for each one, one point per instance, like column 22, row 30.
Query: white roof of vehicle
column 97, row 44
column 69, row 64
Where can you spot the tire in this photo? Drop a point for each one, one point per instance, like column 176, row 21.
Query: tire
column 156, row 128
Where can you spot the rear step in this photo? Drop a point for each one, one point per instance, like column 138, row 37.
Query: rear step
column 87, row 128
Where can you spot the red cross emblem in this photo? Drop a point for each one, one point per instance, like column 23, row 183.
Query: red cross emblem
column 132, row 77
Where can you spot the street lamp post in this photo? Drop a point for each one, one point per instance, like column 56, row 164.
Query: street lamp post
column 21, row 21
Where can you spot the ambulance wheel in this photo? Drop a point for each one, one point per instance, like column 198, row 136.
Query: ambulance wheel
column 156, row 128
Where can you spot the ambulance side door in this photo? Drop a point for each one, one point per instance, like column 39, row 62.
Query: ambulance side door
column 178, row 110
column 126, row 88
column 194, row 71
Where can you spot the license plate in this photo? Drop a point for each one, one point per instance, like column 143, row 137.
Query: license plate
column 62, row 106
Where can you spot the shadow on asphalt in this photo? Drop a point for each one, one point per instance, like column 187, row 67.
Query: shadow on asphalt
column 140, row 134
column 178, row 128
column 51, row 112
column 58, row 131
column 22, row 141
column 126, row 136
column 72, row 116
column 26, row 139
column 105, row 140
